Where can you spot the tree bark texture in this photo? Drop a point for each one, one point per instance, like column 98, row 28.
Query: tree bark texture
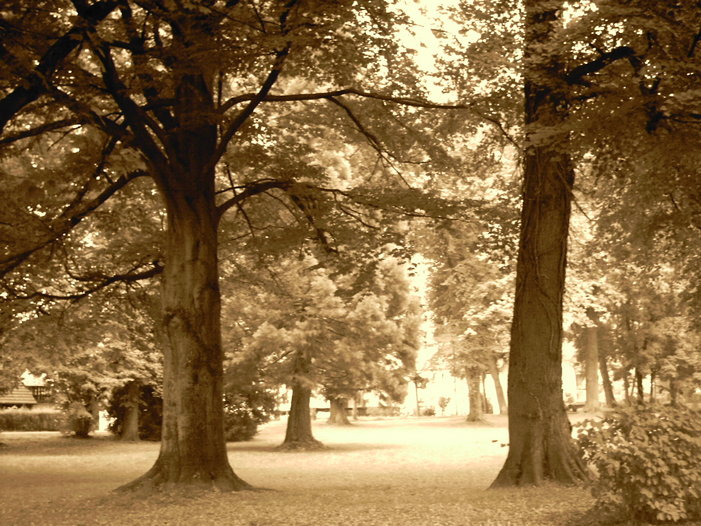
column 476, row 413
column 193, row 449
column 591, row 368
column 130, row 427
column 541, row 446
column 338, row 414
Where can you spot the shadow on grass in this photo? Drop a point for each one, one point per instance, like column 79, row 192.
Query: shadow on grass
column 333, row 448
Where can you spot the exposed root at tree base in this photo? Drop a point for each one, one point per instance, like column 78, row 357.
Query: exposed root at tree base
column 155, row 481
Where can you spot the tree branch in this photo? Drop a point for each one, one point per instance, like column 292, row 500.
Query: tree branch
column 65, row 223
column 131, row 276
column 35, row 84
column 576, row 76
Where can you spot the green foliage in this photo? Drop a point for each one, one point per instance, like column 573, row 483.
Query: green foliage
column 78, row 421
column 245, row 411
column 248, row 400
column 150, row 411
column 648, row 462
column 30, row 420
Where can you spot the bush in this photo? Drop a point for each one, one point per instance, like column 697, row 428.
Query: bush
column 647, row 461
column 30, row 420
column 244, row 410
column 79, row 421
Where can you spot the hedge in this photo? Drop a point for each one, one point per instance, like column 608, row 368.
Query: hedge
column 28, row 420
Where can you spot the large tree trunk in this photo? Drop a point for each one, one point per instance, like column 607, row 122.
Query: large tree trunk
column 476, row 413
column 338, row 414
column 540, row 443
column 501, row 399
column 130, row 426
column 299, row 422
column 591, row 368
column 193, row 449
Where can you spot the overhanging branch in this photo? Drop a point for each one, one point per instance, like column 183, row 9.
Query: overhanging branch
column 102, row 282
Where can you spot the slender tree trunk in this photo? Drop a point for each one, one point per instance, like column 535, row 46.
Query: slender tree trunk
column 674, row 392
column 604, row 342
column 540, row 442
column 339, row 412
column 130, row 427
column 627, row 388
column 653, row 384
column 476, row 413
column 591, row 368
column 501, row 399
column 640, row 389
column 606, row 381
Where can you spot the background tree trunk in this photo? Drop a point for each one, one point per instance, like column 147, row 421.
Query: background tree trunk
column 604, row 334
column 339, row 412
column 298, row 434
column 130, row 427
column 591, row 368
column 476, row 413
column 501, row 399
column 639, row 388
column 606, row 381
column 541, row 446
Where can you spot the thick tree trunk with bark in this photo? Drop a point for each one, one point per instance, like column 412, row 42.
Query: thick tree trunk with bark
column 338, row 414
column 541, row 446
column 193, row 449
column 591, row 368
column 476, row 413
column 501, row 398
column 130, row 426
column 299, row 422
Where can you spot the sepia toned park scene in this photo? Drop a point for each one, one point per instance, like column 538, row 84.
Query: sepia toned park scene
column 350, row 262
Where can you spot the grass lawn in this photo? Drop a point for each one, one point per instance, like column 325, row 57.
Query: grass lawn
column 429, row 471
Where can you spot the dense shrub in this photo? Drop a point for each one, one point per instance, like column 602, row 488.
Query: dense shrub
column 647, row 461
column 245, row 408
column 30, row 420
column 78, row 421
column 150, row 411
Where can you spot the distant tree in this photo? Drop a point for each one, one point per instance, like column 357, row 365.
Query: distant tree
column 346, row 332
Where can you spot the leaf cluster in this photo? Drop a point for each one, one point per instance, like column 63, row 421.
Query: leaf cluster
column 647, row 462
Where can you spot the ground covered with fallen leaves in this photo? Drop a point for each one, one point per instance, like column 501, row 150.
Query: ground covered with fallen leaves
column 427, row 471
